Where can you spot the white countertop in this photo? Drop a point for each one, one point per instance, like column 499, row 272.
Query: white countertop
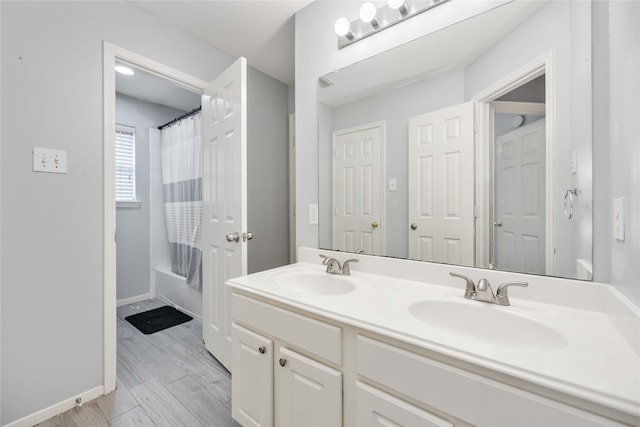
column 591, row 360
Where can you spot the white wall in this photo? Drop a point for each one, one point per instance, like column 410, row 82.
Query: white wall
column 52, row 258
column 133, row 224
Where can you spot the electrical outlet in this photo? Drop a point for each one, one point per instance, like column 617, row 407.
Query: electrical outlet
column 49, row 160
column 393, row 184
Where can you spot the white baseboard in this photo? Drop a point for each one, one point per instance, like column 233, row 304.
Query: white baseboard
column 58, row 408
column 133, row 300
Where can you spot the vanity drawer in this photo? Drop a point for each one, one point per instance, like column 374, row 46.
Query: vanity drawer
column 318, row 338
column 467, row 396
column 376, row 408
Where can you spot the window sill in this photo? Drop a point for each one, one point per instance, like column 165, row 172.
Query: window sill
column 129, row 204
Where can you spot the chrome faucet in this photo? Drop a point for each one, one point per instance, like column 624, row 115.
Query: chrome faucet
column 483, row 292
column 334, row 266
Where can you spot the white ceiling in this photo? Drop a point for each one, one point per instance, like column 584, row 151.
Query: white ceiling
column 260, row 30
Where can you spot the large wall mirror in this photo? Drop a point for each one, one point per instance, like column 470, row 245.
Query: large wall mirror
column 469, row 146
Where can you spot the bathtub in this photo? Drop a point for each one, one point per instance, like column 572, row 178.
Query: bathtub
column 173, row 290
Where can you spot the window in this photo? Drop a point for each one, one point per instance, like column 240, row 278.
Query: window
column 125, row 164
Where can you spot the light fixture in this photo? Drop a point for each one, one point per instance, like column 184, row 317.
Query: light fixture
column 124, row 70
column 342, row 28
column 374, row 19
column 368, row 14
column 399, row 5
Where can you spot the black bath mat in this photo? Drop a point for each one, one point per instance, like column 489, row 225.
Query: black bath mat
column 149, row 322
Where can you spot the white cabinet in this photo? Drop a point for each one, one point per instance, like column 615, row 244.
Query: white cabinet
column 307, row 393
column 274, row 385
column 462, row 395
column 252, row 391
column 291, row 369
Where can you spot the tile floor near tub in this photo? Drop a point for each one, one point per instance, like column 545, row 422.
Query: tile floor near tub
column 164, row 379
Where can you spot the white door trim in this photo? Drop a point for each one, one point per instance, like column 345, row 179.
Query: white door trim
column 293, row 253
column 484, row 163
column 111, row 53
column 383, row 176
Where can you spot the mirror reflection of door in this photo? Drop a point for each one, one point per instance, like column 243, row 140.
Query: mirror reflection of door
column 519, row 224
column 358, row 189
column 441, row 186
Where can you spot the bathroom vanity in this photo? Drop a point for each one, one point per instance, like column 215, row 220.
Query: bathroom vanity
column 312, row 348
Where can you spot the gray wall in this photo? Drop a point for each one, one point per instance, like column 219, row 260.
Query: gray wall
column 133, row 224
column 268, row 171
column 52, row 236
column 624, row 143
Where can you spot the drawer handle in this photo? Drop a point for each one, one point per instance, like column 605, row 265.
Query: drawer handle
column 262, row 349
column 282, row 362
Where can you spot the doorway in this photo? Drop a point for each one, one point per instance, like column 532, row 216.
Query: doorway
column 112, row 54
column 515, row 215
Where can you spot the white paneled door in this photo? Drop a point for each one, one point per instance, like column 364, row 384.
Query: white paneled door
column 224, row 216
column 519, row 223
column 441, row 186
column 358, row 189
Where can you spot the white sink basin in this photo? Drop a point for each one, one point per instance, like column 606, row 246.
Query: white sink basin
column 317, row 282
column 487, row 322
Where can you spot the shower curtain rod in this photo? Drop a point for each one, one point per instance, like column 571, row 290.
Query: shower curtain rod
column 184, row 116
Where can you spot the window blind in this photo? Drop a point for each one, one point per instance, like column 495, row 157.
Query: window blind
column 125, row 163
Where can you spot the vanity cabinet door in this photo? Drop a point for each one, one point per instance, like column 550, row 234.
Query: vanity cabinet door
column 252, row 379
column 307, row 393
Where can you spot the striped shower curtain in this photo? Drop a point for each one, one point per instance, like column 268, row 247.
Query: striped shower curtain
column 182, row 183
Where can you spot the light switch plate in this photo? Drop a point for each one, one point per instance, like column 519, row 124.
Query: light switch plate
column 618, row 219
column 393, row 184
column 313, row 214
column 49, row 160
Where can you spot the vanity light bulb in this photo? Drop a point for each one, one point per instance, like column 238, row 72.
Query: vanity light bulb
column 400, row 5
column 368, row 12
column 342, row 27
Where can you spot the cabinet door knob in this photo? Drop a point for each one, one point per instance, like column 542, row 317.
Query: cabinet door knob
column 414, row 226
column 262, row 349
column 282, row 362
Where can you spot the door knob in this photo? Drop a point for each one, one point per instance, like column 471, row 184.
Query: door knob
column 262, row 349
column 414, row 226
column 247, row 236
column 375, row 224
column 235, row 237
column 498, row 223
column 282, row 361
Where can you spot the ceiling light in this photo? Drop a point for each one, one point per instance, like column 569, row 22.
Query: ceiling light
column 368, row 14
column 124, row 70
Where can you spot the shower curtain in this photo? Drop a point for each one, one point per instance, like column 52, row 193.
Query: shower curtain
column 182, row 184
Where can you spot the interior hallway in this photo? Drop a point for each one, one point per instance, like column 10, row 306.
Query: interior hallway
column 164, row 379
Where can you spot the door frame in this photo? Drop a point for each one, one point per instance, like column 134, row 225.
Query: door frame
column 383, row 177
column 485, row 152
column 110, row 54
